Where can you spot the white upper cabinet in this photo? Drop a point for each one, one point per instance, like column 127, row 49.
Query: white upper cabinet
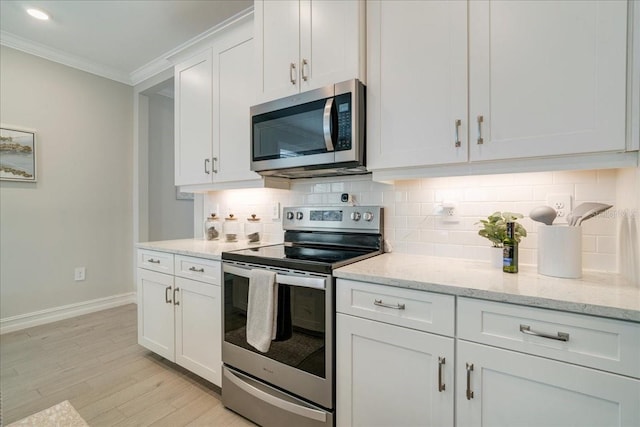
column 417, row 75
column 307, row 44
column 231, row 121
column 193, row 113
column 548, row 78
column 213, row 93
column 454, row 86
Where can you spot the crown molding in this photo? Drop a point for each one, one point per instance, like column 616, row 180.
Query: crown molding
column 152, row 68
column 64, row 58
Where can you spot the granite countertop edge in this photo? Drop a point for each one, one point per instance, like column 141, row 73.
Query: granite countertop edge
column 577, row 297
column 540, row 302
column 199, row 248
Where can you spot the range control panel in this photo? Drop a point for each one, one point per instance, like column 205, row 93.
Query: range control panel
column 349, row 218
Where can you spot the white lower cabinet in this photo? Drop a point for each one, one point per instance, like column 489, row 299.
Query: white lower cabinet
column 513, row 365
column 155, row 312
column 497, row 387
column 527, row 366
column 179, row 318
column 390, row 375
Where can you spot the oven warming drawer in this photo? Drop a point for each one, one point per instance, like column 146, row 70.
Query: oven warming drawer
column 267, row 406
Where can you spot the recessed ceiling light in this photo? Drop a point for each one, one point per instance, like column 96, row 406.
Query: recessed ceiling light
column 38, row 14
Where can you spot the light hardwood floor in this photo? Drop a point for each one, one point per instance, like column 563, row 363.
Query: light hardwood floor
column 95, row 362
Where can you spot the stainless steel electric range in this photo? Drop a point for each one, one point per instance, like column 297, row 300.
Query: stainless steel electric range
column 293, row 383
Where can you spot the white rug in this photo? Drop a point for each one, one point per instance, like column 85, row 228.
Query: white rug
column 60, row 415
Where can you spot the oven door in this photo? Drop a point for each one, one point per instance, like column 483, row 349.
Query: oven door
column 300, row 359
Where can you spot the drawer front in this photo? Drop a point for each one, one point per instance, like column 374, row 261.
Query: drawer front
column 607, row 344
column 203, row 270
column 156, row 261
column 424, row 311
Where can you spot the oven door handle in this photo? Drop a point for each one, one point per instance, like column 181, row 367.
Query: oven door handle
column 284, row 279
column 305, row 282
column 275, row 401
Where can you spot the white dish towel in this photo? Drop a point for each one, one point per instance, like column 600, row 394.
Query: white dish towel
column 262, row 310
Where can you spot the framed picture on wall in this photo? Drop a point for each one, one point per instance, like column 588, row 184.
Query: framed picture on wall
column 17, row 154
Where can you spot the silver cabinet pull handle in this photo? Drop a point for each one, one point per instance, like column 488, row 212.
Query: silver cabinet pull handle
column 206, row 170
column 562, row 336
column 379, row 302
column 441, row 385
column 302, row 68
column 292, row 73
column 175, row 300
column 480, row 120
column 458, row 123
column 469, row 392
column 166, row 295
column 199, row 270
column 153, row 261
column 215, row 160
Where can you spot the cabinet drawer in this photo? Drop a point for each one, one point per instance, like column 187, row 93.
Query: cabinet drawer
column 410, row 308
column 156, row 261
column 607, row 344
column 203, row 270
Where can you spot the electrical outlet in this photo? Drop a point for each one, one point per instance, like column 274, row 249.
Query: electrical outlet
column 450, row 212
column 79, row 274
column 562, row 204
column 275, row 211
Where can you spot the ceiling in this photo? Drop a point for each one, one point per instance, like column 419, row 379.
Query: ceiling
column 124, row 40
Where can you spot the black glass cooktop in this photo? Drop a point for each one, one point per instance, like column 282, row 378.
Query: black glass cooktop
column 297, row 257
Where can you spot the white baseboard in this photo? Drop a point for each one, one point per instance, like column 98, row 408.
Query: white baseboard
column 28, row 320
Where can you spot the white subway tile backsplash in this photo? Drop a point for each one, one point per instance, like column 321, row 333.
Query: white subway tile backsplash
column 541, row 192
column 412, row 223
column 515, row 194
column 575, row 177
column 589, row 243
column 606, row 244
column 596, row 192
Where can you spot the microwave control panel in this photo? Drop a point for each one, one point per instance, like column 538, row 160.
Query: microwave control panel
column 343, row 103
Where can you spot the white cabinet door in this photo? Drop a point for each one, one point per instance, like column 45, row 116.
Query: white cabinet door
column 307, row 44
column 198, row 328
column 389, row 376
column 155, row 312
column 547, row 77
column 193, row 120
column 417, row 83
column 330, row 42
column 232, row 123
column 277, row 35
column 514, row 389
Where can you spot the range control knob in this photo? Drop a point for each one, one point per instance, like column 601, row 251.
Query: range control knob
column 289, row 215
column 299, row 215
column 368, row 216
column 355, row 216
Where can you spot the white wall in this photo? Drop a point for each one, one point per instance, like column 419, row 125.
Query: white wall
column 412, row 227
column 79, row 213
column 169, row 218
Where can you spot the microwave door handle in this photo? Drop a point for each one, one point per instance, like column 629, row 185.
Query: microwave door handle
column 326, row 125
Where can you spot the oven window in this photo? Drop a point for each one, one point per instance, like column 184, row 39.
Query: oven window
column 291, row 132
column 300, row 340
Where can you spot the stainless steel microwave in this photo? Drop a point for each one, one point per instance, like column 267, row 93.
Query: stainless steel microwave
column 316, row 133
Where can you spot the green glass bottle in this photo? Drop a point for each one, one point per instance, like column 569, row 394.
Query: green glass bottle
column 510, row 250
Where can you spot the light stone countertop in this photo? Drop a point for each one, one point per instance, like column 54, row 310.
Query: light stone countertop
column 209, row 249
column 596, row 293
